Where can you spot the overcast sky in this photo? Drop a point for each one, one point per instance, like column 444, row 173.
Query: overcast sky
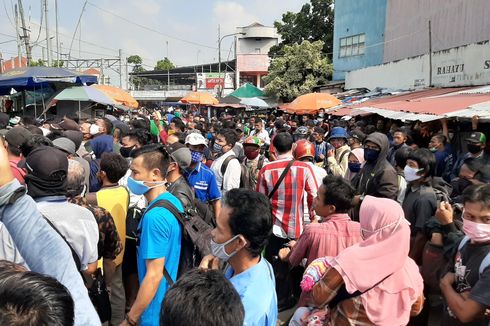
column 194, row 21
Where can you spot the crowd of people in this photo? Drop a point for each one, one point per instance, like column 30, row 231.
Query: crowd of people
column 171, row 217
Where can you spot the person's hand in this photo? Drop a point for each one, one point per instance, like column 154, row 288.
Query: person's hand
column 444, row 213
column 283, row 253
column 448, row 279
column 292, row 243
column 474, row 122
column 6, row 175
column 331, row 153
column 321, row 157
column 155, row 117
column 209, row 262
column 444, row 121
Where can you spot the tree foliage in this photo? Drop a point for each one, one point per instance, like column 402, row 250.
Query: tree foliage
column 137, row 63
column 38, row 63
column 164, row 64
column 314, row 22
column 135, row 60
column 300, row 69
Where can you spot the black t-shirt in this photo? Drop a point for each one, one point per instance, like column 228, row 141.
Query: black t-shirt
column 467, row 269
column 419, row 206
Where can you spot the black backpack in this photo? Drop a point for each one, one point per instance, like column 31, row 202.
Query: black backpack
column 196, row 235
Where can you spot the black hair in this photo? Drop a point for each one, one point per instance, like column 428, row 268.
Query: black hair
column 403, row 131
column 477, row 194
column 114, row 165
column 401, row 156
column 425, row 159
column 339, row 193
column 179, row 124
column 441, row 138
column 108, row 125
column 154, row 157
column 142, row 136
column 34, row 142
column 140, row 123
column 29, row 121
column 283, row 142
column 34, row 129
column 473, row 164
column 230, row 136
column 251, row 217
column 28, row 298
column 202, row 298
column 369, row 129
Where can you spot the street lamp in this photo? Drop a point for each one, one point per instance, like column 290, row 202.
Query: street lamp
column 220, row 89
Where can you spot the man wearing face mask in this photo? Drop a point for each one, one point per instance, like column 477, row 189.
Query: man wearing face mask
column 199, row 176
column 465, row 287
column 420, row 201
column 254, row 161
column 377, row 177
column 242, row 231
column 160, row 234
column 475, row 144
column 226, row 167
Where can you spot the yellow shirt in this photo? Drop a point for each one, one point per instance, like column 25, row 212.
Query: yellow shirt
column 116, row 201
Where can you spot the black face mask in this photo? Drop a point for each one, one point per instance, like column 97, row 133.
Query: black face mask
column 474, row 148
column 126, row 151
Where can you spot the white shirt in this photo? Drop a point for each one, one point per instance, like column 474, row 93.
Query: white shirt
column 77, row 224
column 231, row 178
column 262, row 135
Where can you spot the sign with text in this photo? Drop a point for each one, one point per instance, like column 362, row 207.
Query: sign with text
column 212, row 80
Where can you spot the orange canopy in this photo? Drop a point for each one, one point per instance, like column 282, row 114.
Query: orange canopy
column 199, row 98
column 311, row 103
column 118, row 95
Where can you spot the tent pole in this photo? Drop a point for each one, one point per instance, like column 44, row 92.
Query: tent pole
column 79, row 111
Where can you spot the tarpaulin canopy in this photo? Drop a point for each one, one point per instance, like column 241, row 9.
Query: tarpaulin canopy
column 84, row 94
column 29, row 78
column 248, row 90
column 230, row 99
column 255, row 102
column 118, row 95
column 311, row 103
column 199, row 98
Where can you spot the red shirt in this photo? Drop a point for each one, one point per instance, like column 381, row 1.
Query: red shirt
column 287, row 202
column 18, row 173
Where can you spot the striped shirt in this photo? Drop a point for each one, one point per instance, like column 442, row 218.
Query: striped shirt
column 287, row 202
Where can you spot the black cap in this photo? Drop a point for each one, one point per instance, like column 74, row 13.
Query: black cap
column 46, row 163
column 180, row 154
column 17, row 136
column 4, row 120
column 357, row 134
column 477, row 137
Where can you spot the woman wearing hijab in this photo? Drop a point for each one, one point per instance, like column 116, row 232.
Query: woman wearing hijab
column 355, row 164
column 373, row 282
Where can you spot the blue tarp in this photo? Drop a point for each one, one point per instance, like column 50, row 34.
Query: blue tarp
column 29, row 78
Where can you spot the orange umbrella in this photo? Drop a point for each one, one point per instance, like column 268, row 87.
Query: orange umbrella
column 118, row 95
column 199, row 98
column 311, row 103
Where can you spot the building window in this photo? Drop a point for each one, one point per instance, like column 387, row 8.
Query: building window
column 352, row 45
column 257, row 50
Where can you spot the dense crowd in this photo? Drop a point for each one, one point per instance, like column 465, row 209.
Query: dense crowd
column 171, row 217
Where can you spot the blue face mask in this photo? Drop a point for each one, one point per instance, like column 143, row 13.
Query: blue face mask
column 217, row 148
column 209, row 136
column 196, row 156
column 354, row 167
column 371, row 155
column 139, row 188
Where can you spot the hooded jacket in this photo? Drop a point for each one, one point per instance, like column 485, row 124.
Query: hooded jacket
column 379, row 178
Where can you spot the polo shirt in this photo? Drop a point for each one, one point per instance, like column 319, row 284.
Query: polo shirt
column 257, row 289
column 203, row 180
column 160, row 237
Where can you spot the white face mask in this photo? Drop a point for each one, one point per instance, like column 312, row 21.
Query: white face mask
column 367, row 233
column 218, row 249
column 94, row 130
column 411, row 173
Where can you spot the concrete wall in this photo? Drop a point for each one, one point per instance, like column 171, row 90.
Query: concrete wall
column 453, row 23
column 249, row 45
column 462, row 66
column 355, row 17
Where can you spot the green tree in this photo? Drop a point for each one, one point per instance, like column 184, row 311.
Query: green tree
column 135, row 60
column 137, row 63
column 314, row 22
column 164, row 64
column 57, row 63
column 38, row 63
column 300, row 69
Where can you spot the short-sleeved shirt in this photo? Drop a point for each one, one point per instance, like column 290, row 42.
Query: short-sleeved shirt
column 257, row 289
column 419, row 206
column 160, row 237
column 203, row 180
column 468, row 278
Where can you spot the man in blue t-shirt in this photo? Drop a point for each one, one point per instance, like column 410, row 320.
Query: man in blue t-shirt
column 159, row 235
column 243, row 229
column 444, row 156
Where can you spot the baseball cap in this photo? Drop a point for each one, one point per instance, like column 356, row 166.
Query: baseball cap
column 66, row 124
column 65, row 144
column 75, row 136
column 239, row 127
column 17, row 136
column 357, row 134
column 195, row 139
column 180, row 154
column 477, row 137
column 46, row 163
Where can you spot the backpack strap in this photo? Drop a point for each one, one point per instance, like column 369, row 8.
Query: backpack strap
column 281, row 178
column 224, row 166
column 463, row 242
column 260, row 164
column 343, row 155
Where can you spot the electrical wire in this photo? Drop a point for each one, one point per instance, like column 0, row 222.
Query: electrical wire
column 40, row 23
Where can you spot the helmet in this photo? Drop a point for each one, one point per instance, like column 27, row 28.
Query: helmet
column 252, row 140
column 338, row 132
column 304, row 148
column 300, row 133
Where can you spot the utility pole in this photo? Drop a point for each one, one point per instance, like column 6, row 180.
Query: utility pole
column 127, row 75
column 219, row 62
column 58, row 53
column 48, row 39
column 17, row 34
column 120, row 69
column 168, row 71
column 430, row 55
column 26, row 35
column 76, row 28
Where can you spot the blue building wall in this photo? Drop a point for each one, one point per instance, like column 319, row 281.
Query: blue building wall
column 356, row 17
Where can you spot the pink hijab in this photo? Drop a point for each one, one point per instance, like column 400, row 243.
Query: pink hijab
column 359, row 153
column 383, row 253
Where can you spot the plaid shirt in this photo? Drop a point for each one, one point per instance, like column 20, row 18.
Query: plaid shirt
column 287, row 202
column 109, row 245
